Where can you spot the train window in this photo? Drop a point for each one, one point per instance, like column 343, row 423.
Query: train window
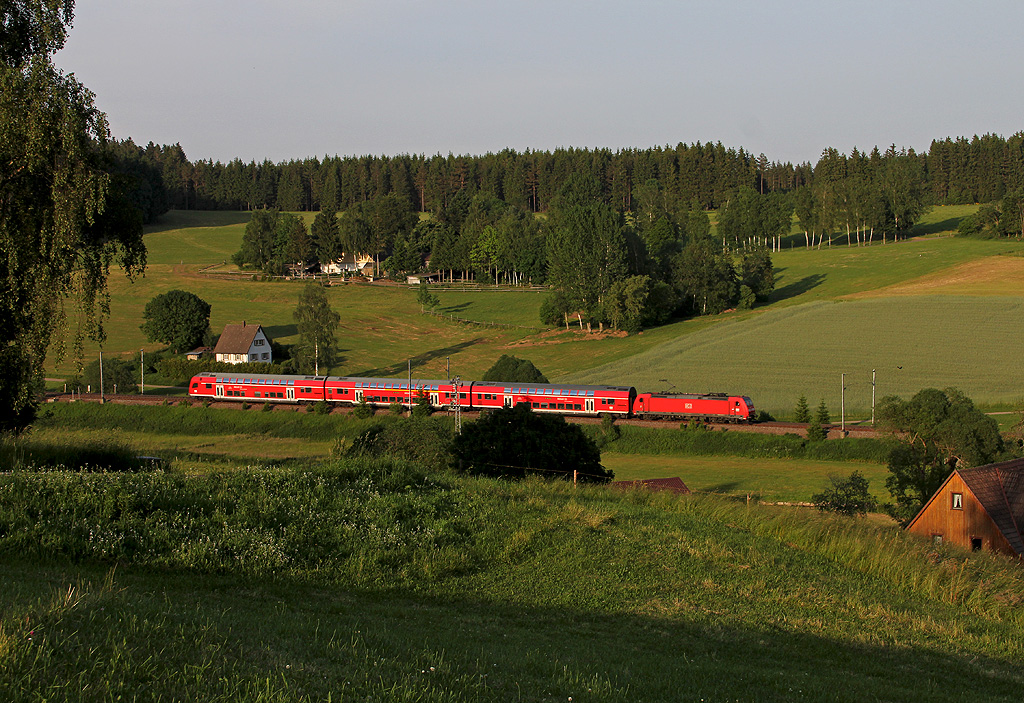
column 543, row 405
column 536, row 405
column 258, row 394
column 561, row 406
column 462, row 396
column 576, row 406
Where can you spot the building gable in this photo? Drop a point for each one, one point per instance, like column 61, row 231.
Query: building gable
column 977, row 508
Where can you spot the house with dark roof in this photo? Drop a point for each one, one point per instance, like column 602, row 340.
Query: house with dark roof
column 242, row 344
column 978, row 508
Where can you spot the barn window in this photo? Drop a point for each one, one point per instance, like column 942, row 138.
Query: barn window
column 975, row 544
column 957, row 501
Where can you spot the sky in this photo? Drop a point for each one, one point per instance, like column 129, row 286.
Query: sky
column 289, row 79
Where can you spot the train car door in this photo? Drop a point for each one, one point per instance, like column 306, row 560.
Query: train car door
column 359, row 396
column 508, row 401
column 291, row 393
column 435, row 399
column 590, row 405
column 219, row 391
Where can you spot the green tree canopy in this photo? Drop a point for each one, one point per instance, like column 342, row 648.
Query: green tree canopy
column 514, row 370
column 516, row 442
column 56, row 243
column 317, row 323
column 937, row 432
column 177, row 318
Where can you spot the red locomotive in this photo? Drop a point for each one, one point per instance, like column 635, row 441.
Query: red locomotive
column 709, row 407
column 620, row 401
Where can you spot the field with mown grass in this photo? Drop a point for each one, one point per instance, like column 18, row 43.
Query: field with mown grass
column 912, row 342
column 374, row 581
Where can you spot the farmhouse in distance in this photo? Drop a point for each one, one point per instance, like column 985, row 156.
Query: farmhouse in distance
column 241, row 344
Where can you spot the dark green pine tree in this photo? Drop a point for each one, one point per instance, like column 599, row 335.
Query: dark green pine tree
column 802, row 413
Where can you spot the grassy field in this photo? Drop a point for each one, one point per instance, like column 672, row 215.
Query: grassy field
column 945, row 286
column 911, row 342
column 770, row 480
column 374, row 582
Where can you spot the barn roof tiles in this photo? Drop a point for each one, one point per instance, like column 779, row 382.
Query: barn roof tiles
column 1000, row 490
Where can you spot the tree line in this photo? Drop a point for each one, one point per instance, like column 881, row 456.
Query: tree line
column 953, row 171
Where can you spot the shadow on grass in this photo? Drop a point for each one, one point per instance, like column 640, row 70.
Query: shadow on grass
column 725, row 488
column 452, row 309
column 400, row 369
column 796, row 288
column 948, row 225
column 276, row 331
column 180, row 219
column 390, row 644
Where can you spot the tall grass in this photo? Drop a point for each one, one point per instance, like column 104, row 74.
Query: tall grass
column 364, row 522
column 27, row 453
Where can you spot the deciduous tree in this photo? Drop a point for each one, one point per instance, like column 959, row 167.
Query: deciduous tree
column 938, row 431
column 56, row 244
column 317, row 324
column 177, row 318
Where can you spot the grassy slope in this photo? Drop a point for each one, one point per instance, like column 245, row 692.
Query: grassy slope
column 382, row 327
column 951, row 328
column 535, row 592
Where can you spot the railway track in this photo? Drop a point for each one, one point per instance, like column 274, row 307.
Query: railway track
column 777, row 428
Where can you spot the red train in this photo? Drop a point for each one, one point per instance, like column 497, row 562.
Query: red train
column 617, row 401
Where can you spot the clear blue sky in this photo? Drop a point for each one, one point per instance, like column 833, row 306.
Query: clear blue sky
column 787, row 78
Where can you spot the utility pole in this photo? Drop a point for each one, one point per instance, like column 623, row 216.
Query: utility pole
column 872, row 397
column 843, row 405
column 102, row 397
column 457, row 404
column 142, row 369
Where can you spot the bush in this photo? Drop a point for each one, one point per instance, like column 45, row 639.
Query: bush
column 117, row 373
column 815, row 432
column 426, row 442
column 363, row 409
column 514, row 442
column 847, row 496
column 395, row 408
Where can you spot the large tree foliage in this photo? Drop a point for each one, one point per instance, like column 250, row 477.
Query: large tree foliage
column 317, row 323
column 516, row 442
column 59, row 229
column 937, row 432
column 177, row 318
column 512, row 369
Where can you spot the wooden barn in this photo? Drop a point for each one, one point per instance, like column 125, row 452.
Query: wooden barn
column 978, row 508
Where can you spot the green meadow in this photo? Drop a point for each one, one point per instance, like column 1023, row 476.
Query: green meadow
column 909, row 342
column 953, row 332
column 374, row 581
